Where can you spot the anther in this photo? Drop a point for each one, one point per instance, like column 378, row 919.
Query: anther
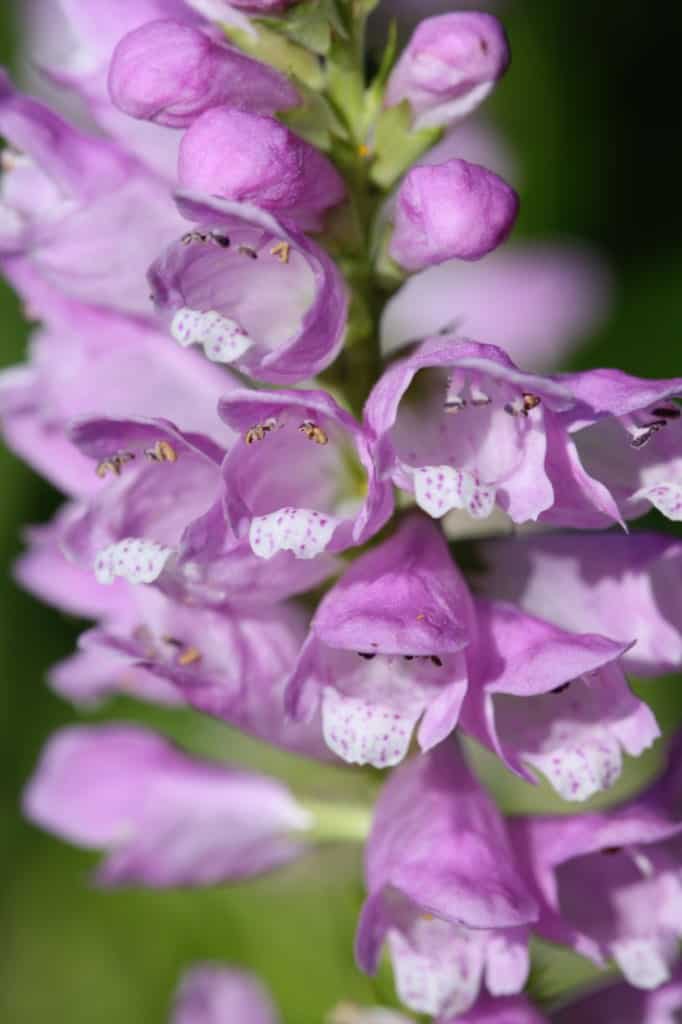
column 247, row 250
column 194, row 236
column 222, row 240
column 639, row 436
column 610, row 850
column 667, row 412
column 435, row 660
column 530, row 402
column 561, row 688
column 281, row 250
column 313, row 432
column 479, row 397
column 408, row 657
column 114, row 464
column 190, row 656
column 172, row 641
column 162, row 451
column 454, row 404
column 366, row 655
column 363, row 151
column 258, row 432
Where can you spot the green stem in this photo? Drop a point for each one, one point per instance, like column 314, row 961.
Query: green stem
column 339, row 822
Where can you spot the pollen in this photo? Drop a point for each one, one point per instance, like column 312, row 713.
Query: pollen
column 281, row 251
column 530, row 402
column 114, row 464
column 162, row 451
column 313, row 432
column 247, row 250
column 258, row 432
column 363, row 151
column 190, row 656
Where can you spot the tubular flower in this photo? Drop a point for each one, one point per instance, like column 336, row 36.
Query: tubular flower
column 386, row 647
column 268, row 517
column 444, row 891
column 164, row 818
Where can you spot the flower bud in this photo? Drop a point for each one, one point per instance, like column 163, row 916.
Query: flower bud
column 449, row 66
column 236, row 155
column 170, row 73
column 451, row 210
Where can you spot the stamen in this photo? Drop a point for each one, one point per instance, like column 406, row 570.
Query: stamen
column 162, row 451
column 561, row 688
column 667, row 412
column 515, row 408
column 194, row 236
column 366, row 655
column 639, row 436
column 454, row 403
column 530, row 402
column 247, row 250
column 435, row 660
column 190, row 656
column 478, row 396
column 281, row 250
column 313, row 432
column 610, row 850
column 222, row 240
column 114, row 464
column 363, row 151
column 173, row 641
column 258, row 432
column 408, row 657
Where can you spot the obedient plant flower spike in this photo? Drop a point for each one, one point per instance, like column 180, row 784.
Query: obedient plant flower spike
column 453, row 210
column 170, row 73
column 212, row 993
column 444, row 889
column 449, row 66
column 238, row 155
column 163, row 818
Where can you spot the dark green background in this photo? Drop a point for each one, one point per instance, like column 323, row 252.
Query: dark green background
column 591, row 105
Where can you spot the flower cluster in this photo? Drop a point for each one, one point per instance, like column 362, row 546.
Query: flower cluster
column 275, row 385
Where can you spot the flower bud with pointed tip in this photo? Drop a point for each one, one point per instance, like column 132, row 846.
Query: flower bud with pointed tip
column 170, row 73
column 238, row 155
column 451, row 210
column 449, row 66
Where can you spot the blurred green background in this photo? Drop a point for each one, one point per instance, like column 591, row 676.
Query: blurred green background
column 590, row 106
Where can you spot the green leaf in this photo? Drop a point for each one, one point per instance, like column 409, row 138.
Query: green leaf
column 396, row 147
column 375, row 93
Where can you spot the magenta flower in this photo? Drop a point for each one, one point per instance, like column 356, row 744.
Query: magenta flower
column 250, row 291
column 386, row 647
column 450, row 210
column 556, row 701
column 630, row 1007
column 449, row 66
column 163, row 817
column 444, row 889
column 608, row 882
column 476, row 433
column 319, row 508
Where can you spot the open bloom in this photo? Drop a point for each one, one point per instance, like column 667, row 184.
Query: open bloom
column 469, row 432
column 625, row 436
column 621, row 1003
column 444, row 889
column 238, row 155
column 164, row 818
column 556, row 701
column 449, row 66
column 386, row 647
column 334, row 498
column 608, row 883
column 250, row 291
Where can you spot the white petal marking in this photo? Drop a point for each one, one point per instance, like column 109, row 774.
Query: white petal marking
column 439, row 489
column 304, row 532
column 578, row 772
column 666, row 497
column 361, row 732
column 482, row 502
column 642, row 962
column 222, row 339
column 134, row 558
